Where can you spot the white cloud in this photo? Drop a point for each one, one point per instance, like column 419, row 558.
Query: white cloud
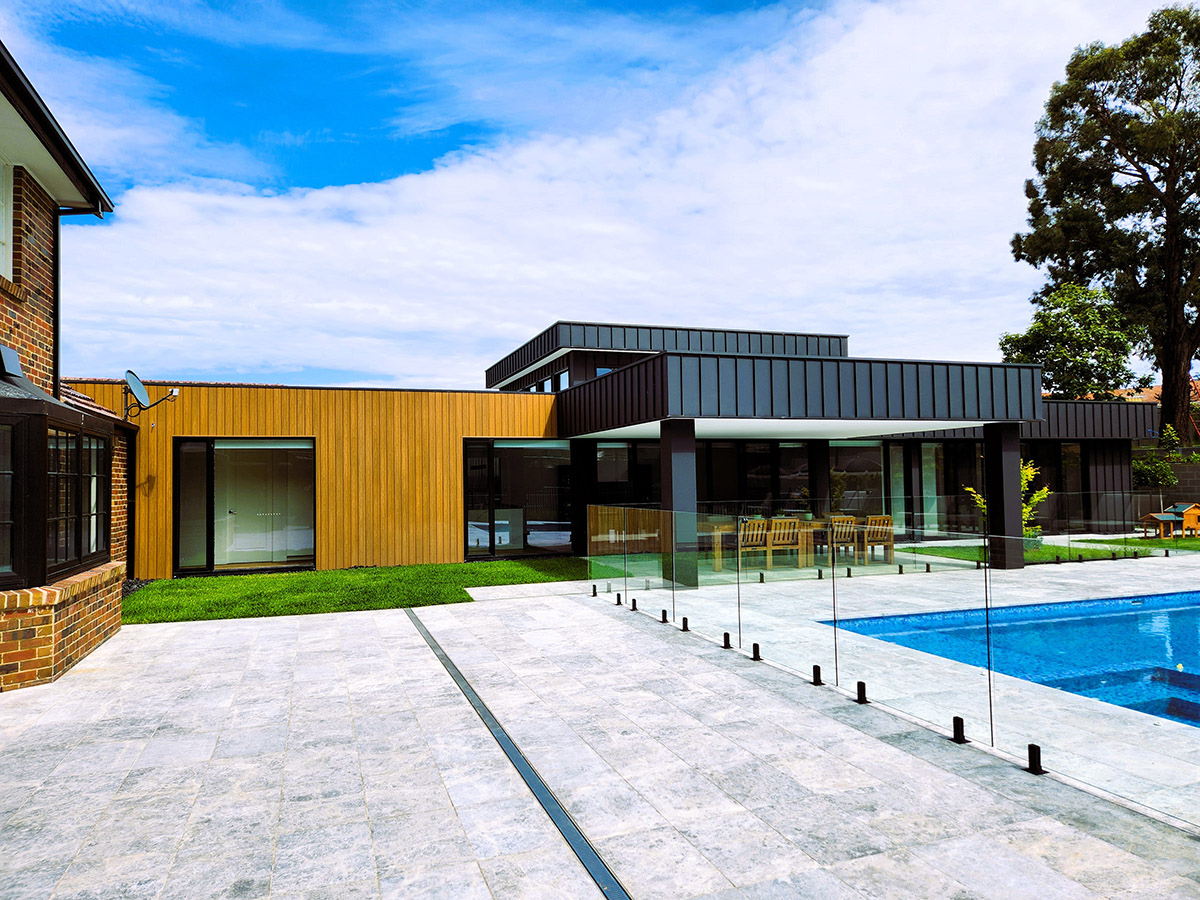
column 119, row 119
column 863, row 176
column 517, row 66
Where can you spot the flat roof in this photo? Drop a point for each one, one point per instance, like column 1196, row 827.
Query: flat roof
column 562, row 337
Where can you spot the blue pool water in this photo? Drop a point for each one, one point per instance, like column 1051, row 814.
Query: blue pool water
column 1124, row 650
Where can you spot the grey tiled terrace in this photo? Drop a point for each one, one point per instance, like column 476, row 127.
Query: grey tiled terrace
column 333, row 757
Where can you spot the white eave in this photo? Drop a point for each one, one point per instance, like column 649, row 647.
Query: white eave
column 20, row 146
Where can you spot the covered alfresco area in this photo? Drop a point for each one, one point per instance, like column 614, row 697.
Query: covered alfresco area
column 892, row 443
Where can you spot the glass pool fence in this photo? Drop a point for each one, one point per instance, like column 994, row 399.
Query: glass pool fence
column 1068, row 653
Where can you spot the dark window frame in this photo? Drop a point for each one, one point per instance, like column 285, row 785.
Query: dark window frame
column 210, row 500
column 24, row 502
column 77, row 560
column 493, row 474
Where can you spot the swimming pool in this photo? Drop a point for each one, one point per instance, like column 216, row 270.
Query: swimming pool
column 1142, row 653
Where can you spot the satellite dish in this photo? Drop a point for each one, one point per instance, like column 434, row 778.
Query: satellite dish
column 137, row 398
column 137, row 389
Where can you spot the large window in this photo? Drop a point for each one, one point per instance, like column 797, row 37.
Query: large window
column 518, row 498
column 947, row 469
column 856, row 477
column 244, row 504
column 753, row 477
column 627, row 472
column 77, row 495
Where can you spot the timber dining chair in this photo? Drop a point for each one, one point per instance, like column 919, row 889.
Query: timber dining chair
column 752, row 537
column 879, row 533
column 787, row 534
column 842, row 533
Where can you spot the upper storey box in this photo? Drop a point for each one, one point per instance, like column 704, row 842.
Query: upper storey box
column 570, row 353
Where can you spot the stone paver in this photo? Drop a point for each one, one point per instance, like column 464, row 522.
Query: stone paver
column 702, row 774
column 333, row 757
column 1146, row 759
column 307, row 757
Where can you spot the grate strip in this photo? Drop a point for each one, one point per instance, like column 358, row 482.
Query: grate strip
column 596, row 867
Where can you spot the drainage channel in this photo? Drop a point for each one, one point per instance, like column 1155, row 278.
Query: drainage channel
column 596, row 868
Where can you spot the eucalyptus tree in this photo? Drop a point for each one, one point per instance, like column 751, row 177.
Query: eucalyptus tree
column 1115, row 203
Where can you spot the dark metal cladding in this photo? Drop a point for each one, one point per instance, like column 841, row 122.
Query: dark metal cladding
column 696, row 385
column 654, row 339
column 1068, row 420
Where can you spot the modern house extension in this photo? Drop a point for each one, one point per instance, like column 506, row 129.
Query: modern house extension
column 237, row 477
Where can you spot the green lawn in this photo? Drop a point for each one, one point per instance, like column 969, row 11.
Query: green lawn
column 1043, row 554
column 300, row 593
column 1137, row 543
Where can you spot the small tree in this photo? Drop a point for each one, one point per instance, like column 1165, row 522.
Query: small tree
column 1082, row 342
column 1030, row 499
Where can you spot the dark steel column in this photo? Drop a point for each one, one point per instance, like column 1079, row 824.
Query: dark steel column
column 1002, row 475
column 818, row 476
column 677, row 444
column 583, row 492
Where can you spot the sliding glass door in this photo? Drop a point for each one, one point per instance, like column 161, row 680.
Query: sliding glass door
column 244, row 503
column 517, row 497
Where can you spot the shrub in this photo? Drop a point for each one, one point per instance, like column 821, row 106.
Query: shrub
column 1153, row 473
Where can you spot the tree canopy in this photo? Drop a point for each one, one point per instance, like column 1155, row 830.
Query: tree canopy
column 1081, row 341
column 1116, row 200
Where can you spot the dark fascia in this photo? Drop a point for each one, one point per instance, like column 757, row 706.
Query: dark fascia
column 1071, row 420
column 18, row 90
column 557, row 338
column 697, row 385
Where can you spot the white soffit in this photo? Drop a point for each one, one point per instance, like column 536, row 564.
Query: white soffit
column 791, row 429
column 21, row 147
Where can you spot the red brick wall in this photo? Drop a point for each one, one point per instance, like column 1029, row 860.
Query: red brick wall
column 119, row 528
column 45, row 631
column 27, row 302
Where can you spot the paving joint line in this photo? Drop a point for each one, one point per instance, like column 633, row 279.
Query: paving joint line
column 575, row 838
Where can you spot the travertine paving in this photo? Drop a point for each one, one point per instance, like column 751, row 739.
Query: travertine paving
column 699, row 773
column 306, row 757
column 333, row 757
column 1148, row 760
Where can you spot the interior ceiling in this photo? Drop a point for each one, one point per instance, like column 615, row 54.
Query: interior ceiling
column 789, row 429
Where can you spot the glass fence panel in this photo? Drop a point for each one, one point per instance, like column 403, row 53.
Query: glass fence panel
column 1098, row 664
column 918, row 640
column 1082, row 638
column 786, row 592
column 706, row 583
column 606, row 548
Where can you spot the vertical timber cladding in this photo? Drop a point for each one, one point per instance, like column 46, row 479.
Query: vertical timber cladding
column 389, row 462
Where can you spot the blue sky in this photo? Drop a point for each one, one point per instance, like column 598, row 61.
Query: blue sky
column 397, row 194
column 322, row 94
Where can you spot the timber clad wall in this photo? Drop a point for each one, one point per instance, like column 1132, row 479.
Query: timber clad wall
column 389, row 464
column 27, row 302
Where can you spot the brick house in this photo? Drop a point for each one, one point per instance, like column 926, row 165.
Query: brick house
column 63, row 459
